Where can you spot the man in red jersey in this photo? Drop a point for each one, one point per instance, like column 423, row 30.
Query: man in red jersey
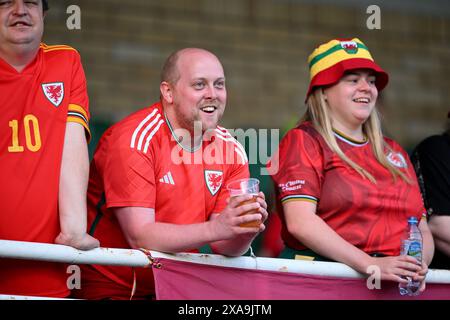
column 158, row 179
column 43, row 150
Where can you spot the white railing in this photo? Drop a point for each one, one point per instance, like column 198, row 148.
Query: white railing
column 137, row 258
column 65, row 254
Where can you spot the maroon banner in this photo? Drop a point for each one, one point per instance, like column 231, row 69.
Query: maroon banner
column 178, row 280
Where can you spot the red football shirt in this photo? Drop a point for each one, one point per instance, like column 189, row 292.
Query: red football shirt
column 36, row 105
column 138, row 163
column 370, row 216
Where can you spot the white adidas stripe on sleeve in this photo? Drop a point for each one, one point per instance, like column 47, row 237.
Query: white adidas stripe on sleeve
column 152, row 124
column 147, row 142
column 139, row 127
column 147, row 129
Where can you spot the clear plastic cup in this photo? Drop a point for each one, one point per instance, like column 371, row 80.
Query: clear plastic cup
column 246, row 186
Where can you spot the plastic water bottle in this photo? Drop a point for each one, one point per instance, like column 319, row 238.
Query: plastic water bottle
column 412, row 245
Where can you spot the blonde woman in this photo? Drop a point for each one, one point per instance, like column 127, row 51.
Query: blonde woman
column 344, row 190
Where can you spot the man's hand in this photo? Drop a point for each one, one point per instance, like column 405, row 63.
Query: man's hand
column 226, row 225
column 262, row 201
column 234, row 239
column 82, row 242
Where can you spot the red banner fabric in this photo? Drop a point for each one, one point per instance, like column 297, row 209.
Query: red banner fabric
column 178, row 280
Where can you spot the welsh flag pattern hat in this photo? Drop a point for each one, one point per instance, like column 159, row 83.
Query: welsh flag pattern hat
column 329, row 62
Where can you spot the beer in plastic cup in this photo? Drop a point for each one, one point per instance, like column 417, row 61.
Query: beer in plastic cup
column 246, row 186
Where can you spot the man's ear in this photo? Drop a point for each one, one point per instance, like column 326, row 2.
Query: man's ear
column 166, row 91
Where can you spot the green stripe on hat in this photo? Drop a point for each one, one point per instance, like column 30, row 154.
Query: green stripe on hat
column 332, row 50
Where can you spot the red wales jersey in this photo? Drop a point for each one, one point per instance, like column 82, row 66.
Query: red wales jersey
column 370, row 216
column 36, row 104
column 139, row 163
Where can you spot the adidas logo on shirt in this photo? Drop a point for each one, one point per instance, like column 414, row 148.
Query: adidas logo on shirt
column 167, row 179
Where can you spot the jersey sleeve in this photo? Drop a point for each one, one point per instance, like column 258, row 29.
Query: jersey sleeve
column 78, row 109
column 297, row 168
column 431, row 161
column 240, row 171
column 128, row 176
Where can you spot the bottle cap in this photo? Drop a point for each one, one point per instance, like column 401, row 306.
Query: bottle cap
column 412, row 220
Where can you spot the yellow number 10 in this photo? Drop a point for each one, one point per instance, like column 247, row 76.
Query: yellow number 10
column 28, row 121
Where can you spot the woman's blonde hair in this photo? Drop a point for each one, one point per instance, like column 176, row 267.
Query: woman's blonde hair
column 317, row 113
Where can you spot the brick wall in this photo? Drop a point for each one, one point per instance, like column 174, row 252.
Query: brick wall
column 264, row 45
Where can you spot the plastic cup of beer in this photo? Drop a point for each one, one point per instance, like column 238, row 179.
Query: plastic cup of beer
column 246, row 186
